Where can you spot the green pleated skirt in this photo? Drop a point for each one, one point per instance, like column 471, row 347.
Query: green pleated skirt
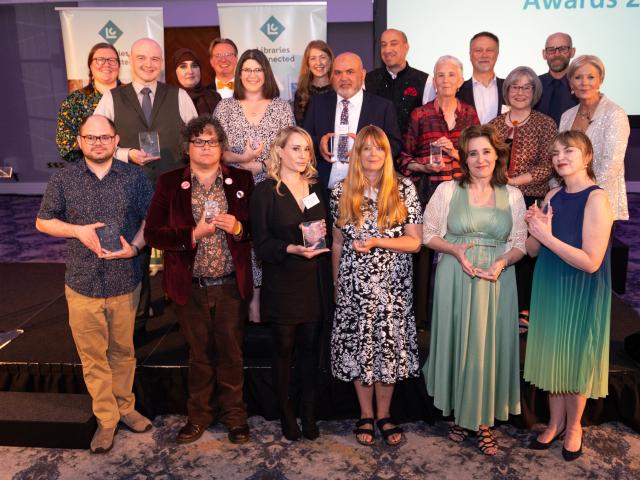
column 568, row 339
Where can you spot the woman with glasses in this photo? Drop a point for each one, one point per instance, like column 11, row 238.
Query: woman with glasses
column 187, row 67
column 295, row 292
column 104, row 66
column 607, row 126
column 315, row 74
column 251, row 120
column 530, row 135
column 377, row 225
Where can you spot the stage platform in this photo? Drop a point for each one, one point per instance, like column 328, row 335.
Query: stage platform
column 43, row 359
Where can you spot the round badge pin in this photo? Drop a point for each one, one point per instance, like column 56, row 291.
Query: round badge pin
column 184, row 185
column 239, row 194
column 228, row 181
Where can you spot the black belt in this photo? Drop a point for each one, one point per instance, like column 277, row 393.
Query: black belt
column 203, row 282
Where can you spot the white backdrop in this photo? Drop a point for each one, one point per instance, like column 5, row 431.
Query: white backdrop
column 82, row 28
column 280, row 30
column 611, row 32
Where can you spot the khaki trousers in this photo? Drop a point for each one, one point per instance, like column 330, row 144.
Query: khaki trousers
column 102, row 330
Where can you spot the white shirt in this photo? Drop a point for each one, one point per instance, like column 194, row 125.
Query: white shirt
column 339, row 169
column 486, row 99
column 105, row 108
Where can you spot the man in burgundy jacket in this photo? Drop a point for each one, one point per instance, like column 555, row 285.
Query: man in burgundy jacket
column 199, row 216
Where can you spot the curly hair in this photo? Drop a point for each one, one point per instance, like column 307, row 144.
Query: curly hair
column 197, row 126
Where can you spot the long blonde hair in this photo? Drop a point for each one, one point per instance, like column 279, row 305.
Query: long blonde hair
column 274, row 162
column 391, row 208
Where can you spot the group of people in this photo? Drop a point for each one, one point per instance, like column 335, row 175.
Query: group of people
column 392, row 167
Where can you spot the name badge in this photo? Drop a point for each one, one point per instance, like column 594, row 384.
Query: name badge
column 342, row 130
column 310, row 201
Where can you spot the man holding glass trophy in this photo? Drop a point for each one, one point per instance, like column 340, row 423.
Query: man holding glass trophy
column 333, row 119
column 149, row 115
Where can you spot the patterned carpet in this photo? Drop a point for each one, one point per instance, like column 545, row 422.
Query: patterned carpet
column 611, row 450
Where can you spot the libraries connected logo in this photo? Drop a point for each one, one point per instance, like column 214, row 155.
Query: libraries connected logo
column 272, row 28
column 110, row 32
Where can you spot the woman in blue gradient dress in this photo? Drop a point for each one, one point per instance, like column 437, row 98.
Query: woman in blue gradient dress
column 568, row 342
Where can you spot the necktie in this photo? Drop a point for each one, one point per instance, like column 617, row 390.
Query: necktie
column 146, row 104
column 220, row 84
column 343, row 142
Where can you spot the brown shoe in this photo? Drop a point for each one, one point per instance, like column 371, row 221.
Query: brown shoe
column 102, row 440
column 239, row 434
column 190, row 432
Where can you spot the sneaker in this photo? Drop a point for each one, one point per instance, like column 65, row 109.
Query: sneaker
column 136, row 422
column 102, row 440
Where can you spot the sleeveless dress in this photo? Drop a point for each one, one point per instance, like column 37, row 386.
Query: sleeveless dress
column 473, row 367
column 568, row 340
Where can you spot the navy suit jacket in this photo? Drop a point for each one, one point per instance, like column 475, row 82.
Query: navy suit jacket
column 465, row 94
column 320, row 120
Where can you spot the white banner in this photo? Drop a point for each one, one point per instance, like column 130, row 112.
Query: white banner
column 82, row 28
column 280, row 30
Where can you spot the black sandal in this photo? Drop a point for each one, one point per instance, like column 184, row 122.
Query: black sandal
column 486, row 442
column 365, row 431
column 386, row 434
column 523, row 322
column 457, row 434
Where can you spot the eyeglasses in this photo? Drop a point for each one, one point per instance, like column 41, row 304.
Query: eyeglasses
column 551, row 50
column 521, row 88
column 100, row 61
column 255, row 71
column 220, row 56
column 102, row 139
column 201, row 142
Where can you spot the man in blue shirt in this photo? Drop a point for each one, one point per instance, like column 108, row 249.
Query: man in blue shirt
column 556, row 92
column 102, row 286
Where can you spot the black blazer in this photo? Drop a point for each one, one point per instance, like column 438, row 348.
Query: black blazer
column 321, row 115
column 465, row 94
column 294, row 289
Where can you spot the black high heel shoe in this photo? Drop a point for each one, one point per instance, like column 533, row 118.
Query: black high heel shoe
column 536, row 444
column 310, row 429
column 571, row 456
column 289, row 424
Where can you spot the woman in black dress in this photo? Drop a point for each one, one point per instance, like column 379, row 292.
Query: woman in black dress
column 293, row 275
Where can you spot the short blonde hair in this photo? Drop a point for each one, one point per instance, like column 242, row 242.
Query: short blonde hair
column 583, row 60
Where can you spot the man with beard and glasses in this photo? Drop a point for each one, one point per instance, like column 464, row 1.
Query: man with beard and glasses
column 342, row 113
column 556, row 92
column 99, row 205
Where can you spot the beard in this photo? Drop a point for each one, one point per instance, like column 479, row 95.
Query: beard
column 103, row 157
column 559, row 65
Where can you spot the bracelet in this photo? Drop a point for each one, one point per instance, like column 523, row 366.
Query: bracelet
column 237, row 234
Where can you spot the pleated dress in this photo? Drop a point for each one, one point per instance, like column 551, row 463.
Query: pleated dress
column 473, row 368
column 568, row 339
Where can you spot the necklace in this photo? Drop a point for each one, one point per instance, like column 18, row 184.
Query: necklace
column 517, row 123
column 587, row 115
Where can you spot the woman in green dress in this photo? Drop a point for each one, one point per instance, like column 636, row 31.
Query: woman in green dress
column 477, row 225
column 568, row 342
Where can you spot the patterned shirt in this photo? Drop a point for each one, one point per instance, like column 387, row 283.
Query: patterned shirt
column 530, row 150
column 213, row 257
column 74, row 109
column 426, row 125
column 77, row 196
